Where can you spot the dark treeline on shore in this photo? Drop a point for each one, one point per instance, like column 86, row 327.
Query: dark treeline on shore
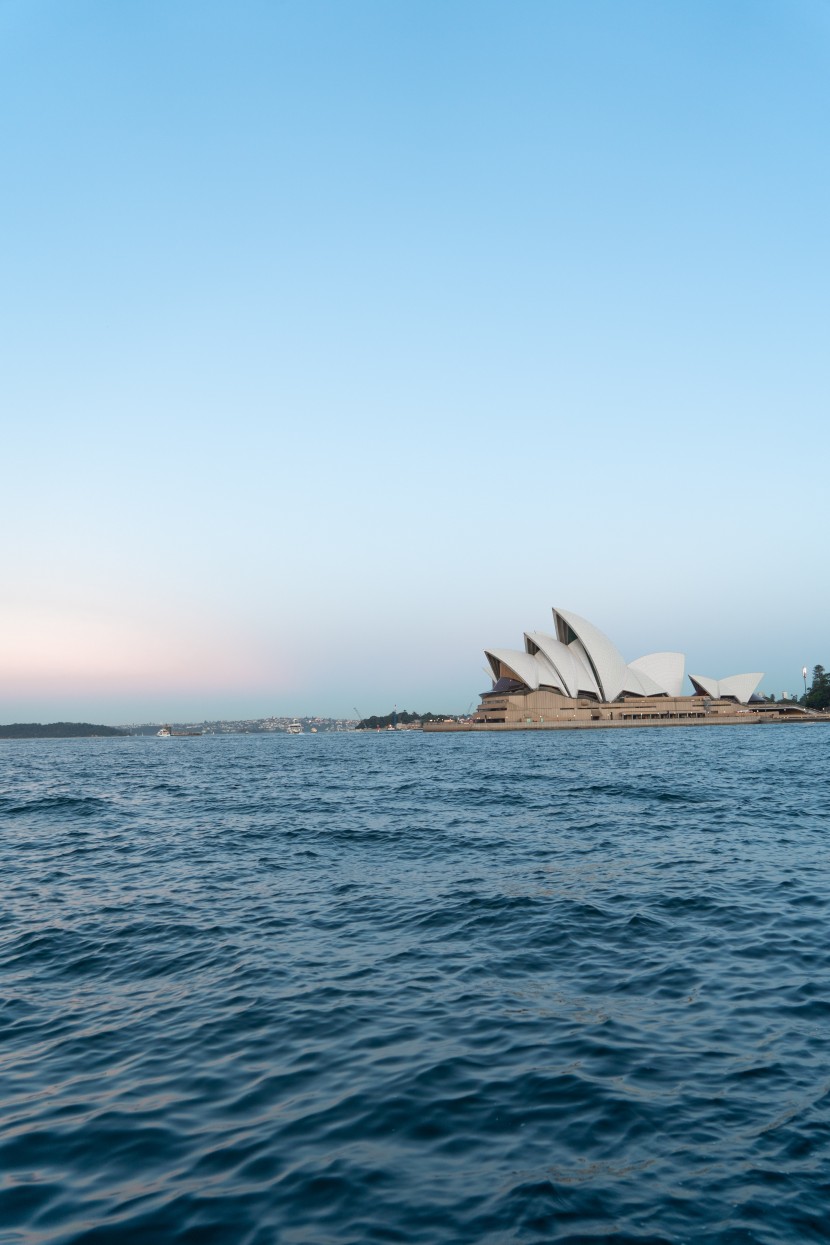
column 404, row 718
column 818, row 696
column 55, row 730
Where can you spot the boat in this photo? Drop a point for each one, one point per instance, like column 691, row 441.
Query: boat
column 294, row 728
column 167, row 733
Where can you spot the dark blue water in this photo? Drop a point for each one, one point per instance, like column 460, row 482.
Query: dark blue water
column 413, row 988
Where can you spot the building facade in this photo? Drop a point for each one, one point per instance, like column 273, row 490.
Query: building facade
column 576, row 675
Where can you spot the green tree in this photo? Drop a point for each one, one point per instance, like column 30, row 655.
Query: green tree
column 818, row 696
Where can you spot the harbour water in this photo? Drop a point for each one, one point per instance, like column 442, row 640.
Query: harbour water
column 411, row 988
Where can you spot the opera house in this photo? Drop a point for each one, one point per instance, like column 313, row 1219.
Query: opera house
column 576, row 675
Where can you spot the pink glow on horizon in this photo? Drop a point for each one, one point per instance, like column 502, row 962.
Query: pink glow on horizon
column 89, row 653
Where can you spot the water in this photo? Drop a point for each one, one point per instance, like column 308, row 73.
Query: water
column 416, row 988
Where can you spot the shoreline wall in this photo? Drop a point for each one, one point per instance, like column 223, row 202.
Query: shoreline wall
column 599, row 724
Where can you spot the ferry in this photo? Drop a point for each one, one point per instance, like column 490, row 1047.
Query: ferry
column 294, row 728
column 167, row 733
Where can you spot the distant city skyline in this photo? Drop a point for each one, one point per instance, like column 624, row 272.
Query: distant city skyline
column 340, row 342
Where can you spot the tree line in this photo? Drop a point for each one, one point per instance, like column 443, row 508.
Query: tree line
column 818, row 696
column 404, row 718
column 55, row 730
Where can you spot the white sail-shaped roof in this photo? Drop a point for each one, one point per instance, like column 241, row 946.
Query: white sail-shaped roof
column 549, row 676
column 607, row 663
column 532, row 669
column 738, row 686
column 581, row 661
column 665, row 669
column 586, row 670
column 741, row 686
column 638, row 683
column 575, row 677
column 704, row 686
column 523, row 666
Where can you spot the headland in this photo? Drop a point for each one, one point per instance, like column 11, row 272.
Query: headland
column 57, row 730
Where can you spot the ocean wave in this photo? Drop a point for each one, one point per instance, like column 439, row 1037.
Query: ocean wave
column 557, row 987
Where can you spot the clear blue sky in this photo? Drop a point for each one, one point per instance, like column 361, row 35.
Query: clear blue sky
column 340, row 340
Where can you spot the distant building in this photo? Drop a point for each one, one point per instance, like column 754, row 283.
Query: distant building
column 578, row 674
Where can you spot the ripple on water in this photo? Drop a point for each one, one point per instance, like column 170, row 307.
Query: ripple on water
column 469, row 989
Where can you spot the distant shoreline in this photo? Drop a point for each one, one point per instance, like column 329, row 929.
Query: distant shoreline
column 58, row 730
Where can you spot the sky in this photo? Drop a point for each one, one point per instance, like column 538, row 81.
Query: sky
column 340, row 341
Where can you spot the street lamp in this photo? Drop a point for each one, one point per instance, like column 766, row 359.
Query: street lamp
column 804, row 677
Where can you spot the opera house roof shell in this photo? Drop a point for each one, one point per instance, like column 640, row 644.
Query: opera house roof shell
column 579, row 660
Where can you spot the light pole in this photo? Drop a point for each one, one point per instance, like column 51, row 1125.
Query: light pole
column 804, row 676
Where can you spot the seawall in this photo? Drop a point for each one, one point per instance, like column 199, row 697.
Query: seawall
column 748, row 719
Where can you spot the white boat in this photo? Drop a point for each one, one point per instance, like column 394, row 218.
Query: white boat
column 294, row 728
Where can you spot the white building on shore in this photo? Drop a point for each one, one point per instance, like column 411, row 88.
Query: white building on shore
column 578, row 672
